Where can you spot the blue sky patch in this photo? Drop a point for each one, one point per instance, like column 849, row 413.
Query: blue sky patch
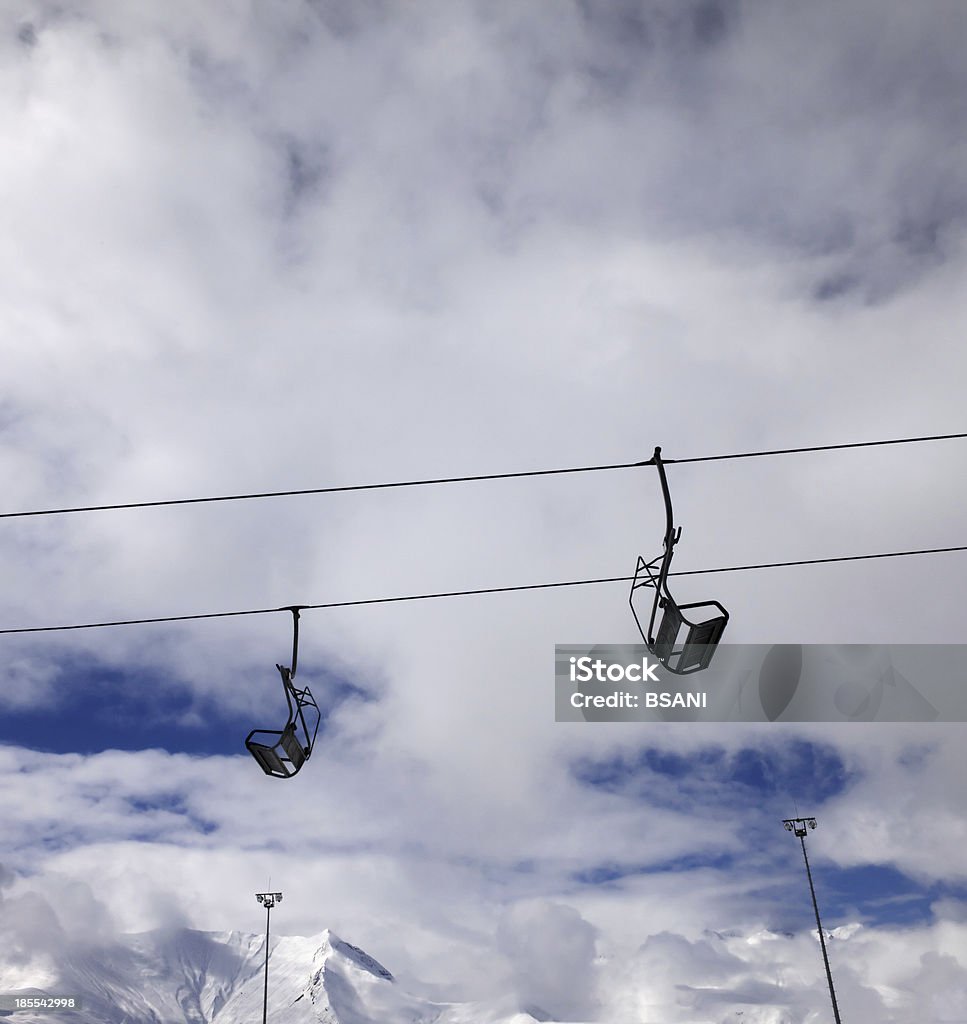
column 797, row 770
column 105, row 708
column 608, row 873
column 877, row 894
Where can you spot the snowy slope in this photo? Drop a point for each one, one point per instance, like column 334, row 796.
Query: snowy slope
column 190, row 977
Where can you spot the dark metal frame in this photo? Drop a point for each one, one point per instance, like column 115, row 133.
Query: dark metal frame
column 695, row 653
column 283, row 757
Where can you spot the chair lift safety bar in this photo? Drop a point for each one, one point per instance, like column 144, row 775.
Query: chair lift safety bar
column 282, row 752
column 695, row 652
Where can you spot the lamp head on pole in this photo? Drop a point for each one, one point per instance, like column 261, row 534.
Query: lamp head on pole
column 269, row 899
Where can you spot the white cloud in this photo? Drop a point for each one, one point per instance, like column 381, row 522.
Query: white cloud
column 551, row 949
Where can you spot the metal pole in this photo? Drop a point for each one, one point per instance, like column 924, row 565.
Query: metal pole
column 819, row 926
column 269, row 900
column 265, row 995
column 798, row 827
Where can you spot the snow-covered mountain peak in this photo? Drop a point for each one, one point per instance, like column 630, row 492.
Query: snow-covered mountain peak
column 333, row 946
column 184, row 976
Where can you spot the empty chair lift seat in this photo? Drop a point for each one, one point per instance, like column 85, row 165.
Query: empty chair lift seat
column 284, row 757
column 695, row 653
column 678, row 655
column 282, row 752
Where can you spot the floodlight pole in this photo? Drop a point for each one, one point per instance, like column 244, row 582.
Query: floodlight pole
column 269, row 899
column 798, row 827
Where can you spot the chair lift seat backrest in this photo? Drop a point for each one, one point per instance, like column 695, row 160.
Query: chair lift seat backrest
column 701, row 639
column 293, row 748
column 706, row 634
column 671, row 623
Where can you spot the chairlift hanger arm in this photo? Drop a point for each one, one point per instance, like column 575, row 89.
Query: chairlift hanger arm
column 288, row 674
column 671, row 534
column 295, row 609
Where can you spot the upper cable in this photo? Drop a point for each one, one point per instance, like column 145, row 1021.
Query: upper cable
column 463, row 479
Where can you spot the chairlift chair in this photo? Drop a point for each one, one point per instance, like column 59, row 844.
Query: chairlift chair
column 282, row 752
column 694, row 652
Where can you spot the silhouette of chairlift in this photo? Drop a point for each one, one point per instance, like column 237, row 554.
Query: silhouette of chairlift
column 282, row 752
column 695, row 652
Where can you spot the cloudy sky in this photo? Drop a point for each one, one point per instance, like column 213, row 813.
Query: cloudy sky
column 252, row 249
